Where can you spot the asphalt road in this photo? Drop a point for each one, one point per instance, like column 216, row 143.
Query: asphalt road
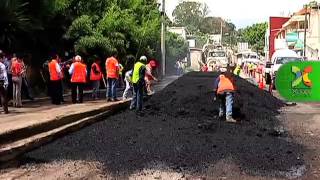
column 180, row 137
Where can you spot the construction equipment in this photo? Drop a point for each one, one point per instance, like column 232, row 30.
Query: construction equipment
column 215, row 55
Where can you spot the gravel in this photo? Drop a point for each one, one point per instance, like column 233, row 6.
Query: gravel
column 180, row 137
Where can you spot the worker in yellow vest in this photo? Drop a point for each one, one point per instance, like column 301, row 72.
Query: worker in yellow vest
column 78, row 72
column 138, row 83
column 56, row 76
column 224, row 88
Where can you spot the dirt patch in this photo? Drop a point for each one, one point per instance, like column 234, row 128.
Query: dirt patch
column 168, row 136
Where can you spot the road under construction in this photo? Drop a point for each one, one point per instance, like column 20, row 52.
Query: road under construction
column 180, row 136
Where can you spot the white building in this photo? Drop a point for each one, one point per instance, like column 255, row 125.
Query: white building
column 295, row 29
column 182, row 31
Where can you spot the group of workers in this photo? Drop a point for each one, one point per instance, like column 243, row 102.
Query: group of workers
column 138, row 78
column 12, row 80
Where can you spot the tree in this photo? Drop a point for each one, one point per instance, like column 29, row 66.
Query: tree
column 130, row 27
column 14, row 21
column 254, row 35
column 177, row 48
column 190, row 14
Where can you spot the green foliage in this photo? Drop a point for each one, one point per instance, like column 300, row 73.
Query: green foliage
column 13, row 21
column 82, row 26
column 130, row 27
column 254, row 35
column 176, row 49
column 189, row 14
column 194, row 16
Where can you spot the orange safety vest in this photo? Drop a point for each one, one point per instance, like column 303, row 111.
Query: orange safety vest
column 112, row 68
column 94, row 76
column 54, row 75
column 225, row 84
column 79, row 73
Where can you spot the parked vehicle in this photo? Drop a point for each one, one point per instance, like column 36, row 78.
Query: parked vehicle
column 279, row 58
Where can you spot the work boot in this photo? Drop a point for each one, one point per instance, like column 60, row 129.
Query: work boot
column 230, row 119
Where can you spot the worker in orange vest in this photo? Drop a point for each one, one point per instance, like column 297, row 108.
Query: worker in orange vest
column 95, row 78
column 112, row 68
column 78, row 72
column 224, row 88
column 56, row 76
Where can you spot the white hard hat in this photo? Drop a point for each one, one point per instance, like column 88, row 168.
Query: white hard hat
column 143, row 58
column 78, row 58
column 223, row 70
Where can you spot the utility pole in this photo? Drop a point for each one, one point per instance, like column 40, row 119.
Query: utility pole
column 221, row 31
column 305, row 32
column 163, row 38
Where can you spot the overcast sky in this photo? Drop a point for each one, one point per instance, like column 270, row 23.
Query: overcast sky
column 246, row 12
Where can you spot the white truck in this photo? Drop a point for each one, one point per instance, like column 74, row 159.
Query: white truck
column 279, row 58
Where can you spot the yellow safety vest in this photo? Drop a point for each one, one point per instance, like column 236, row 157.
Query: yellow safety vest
column 136, row 72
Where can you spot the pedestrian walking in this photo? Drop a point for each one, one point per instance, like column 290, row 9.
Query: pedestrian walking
column 17, row 71
column 56, row 76
column 224, row 88
column 138, row 83
column 7, row 62
column 127, row 79
column 78, row 72
column 3, row 84
column 112, row 68
column 95, row 78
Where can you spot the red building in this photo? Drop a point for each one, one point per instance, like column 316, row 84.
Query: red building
column 275, row 25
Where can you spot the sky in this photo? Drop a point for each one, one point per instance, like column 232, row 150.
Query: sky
column 245, row 12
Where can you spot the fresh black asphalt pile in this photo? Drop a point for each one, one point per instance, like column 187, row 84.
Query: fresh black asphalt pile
column 171, row 133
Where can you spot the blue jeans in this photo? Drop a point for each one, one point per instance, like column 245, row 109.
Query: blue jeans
column 226, row 103
column 112, row 88
column 137, row 98
column 95, row 89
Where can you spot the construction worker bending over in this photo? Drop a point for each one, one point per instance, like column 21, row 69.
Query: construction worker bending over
column 138, row 83
column 78, row 72
column 149, row 78
column 224, row 89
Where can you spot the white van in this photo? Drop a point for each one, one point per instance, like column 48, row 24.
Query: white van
column 279, row 58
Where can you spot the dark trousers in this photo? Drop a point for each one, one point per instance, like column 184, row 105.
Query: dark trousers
column 3, row 95
column 26, row 90
column 56, row 92
column 74, row 88
column 137, row 98
column 10, row 87
column 112, row 88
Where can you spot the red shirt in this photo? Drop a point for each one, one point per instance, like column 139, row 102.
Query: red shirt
column 16, row 68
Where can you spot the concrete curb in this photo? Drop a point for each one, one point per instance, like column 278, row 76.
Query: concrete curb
column 30, row 138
